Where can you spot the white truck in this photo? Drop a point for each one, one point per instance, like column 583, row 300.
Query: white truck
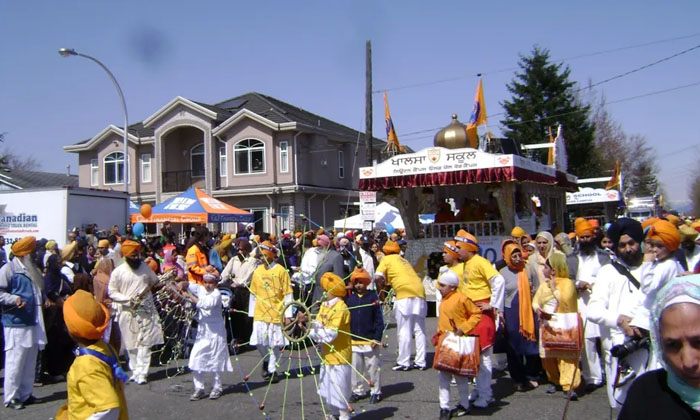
column 642, row 208
column 52, row 212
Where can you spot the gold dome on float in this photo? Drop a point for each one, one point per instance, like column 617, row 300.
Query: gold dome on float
column 454, row 136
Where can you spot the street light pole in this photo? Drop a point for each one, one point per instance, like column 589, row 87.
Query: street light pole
column 67, row 52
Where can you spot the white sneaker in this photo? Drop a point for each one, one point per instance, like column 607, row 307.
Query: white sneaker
column 474, row 395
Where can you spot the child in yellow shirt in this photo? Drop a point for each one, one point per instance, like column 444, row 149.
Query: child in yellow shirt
column 458, row 314
column 95, row 378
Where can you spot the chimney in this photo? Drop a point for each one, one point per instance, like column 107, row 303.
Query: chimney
column 67, row 170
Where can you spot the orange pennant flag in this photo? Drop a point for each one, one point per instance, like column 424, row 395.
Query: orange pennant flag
column 615, row 178
column 477, row 118
column 391, row 138
column 550, row 154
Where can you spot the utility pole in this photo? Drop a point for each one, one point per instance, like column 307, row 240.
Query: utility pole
column 368, row 102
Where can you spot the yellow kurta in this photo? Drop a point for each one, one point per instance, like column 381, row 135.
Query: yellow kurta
column 92, row 388
column 458, row 311
column 336, row 317
column 269, row 286
column 400, row 275
column 474, row 282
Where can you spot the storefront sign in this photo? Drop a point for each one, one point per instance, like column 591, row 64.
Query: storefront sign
column 592, row 195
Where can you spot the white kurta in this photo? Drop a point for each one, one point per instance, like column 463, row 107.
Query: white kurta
column 140, row 325
column 210, row 350
column 588, row 267
column 654, row 276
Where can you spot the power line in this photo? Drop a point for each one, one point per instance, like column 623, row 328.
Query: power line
column 629, row 98
column 576, row 57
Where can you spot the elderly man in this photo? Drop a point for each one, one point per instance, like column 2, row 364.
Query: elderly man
column 613, row 303
column 238, row 273
column 130, row 288
column 584, row 264
column 21, row 287
column 688, row 255
column 482, row 284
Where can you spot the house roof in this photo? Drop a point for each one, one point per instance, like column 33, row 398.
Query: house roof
column 268, row 107
column 20, row 179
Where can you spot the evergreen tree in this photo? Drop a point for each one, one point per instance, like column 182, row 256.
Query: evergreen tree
column 542, row 97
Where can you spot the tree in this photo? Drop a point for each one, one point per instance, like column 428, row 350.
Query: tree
column 640, row 177
column 543, row 96
column 695, row 196
column 11, row 161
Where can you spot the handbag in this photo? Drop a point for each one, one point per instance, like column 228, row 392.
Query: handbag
column 562, row 332
column 459, row 355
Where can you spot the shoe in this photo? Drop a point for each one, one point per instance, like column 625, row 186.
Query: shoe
column 15, row 404
column 533, row 384
column 483, row 403
column 31, row 400
column 572, row 397
column 593, row 386
column 445, row 414
column 416, row 367
column 215, row 394
column 551, row 389
column 375, row 398
column 197, row 395
column 141, row 381
column 459, row 411
column 276, row 378
column 401, row 368
column 474, row 395
column 265, row 374
column 357, row 397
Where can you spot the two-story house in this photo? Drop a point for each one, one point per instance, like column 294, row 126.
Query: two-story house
column 252, row 151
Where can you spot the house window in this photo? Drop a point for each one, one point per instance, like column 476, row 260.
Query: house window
column 94, row 173
column 146, row 167
column 341, row 164
column 284, row 157
column 223, row 169
column 114, row 168
column 197, row 161
column 249, row 157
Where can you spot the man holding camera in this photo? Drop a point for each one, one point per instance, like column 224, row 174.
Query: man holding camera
column 614, row 300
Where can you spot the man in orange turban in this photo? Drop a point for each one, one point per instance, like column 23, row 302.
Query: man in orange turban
column 21, row 285
column 689, row 253
column 130, row 287
column 486, row 288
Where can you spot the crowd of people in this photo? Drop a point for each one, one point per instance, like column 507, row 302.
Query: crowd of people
column 609, row 305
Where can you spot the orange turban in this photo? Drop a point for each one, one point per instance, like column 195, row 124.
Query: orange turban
column 675, row 220
column 518, row 232
column 103, row 243
column 84, row 316
column 225, row 237
column 695, row 225
column 584, row 227
column 268, row 250
column 24, row 246
column 391, row 247
column 649, row 222
column 130, row 248
column 333, row 284
column 361, row 275
column 273, row 239
column 667, row 233
column 451, row 248
column 466, row 240
column 68, row 252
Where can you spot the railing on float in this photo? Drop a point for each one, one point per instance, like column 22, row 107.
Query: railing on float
column 479, row 228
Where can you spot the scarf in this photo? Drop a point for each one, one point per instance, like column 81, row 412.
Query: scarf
column 680, row 289
column 527, row 319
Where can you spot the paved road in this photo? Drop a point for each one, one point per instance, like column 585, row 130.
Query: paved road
column 407, row 395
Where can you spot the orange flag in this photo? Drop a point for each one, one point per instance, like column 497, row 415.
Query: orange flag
column 615, row 178
column 392, row 139
column 477, row 118
column 550, row 154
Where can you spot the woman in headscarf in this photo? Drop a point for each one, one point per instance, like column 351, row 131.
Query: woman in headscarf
column 544, row 242
column 563, row 243
column 674, row 391
column 521, row 332
column 558, row 295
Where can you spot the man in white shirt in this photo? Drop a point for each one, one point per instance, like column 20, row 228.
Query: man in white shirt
column 238, row 273
column 613, row 303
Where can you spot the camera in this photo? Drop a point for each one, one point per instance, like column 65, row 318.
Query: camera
column 629, row 347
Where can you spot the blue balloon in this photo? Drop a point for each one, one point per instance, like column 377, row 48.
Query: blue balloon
column 138, row 229
column 389, row 228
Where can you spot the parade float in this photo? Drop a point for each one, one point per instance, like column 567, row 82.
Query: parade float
column 493, row 190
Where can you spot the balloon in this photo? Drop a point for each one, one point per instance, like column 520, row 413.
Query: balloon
column 146, row 210
column 389, row 228
column 138, row 229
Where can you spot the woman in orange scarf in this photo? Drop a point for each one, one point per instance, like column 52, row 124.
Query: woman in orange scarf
column 522, row 350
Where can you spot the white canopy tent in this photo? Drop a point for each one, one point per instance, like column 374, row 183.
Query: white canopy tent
column 385, row 214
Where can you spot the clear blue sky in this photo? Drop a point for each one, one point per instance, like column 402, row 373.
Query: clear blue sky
column 311, row 54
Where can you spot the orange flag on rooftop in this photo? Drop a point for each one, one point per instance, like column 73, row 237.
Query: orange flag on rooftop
column 391, row 137
column 477, row 118
column 550, row 154
column 615, row 179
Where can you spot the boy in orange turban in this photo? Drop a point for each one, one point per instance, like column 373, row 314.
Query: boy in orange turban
column 95, row 379
column 367, row 327
column 332, row 328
